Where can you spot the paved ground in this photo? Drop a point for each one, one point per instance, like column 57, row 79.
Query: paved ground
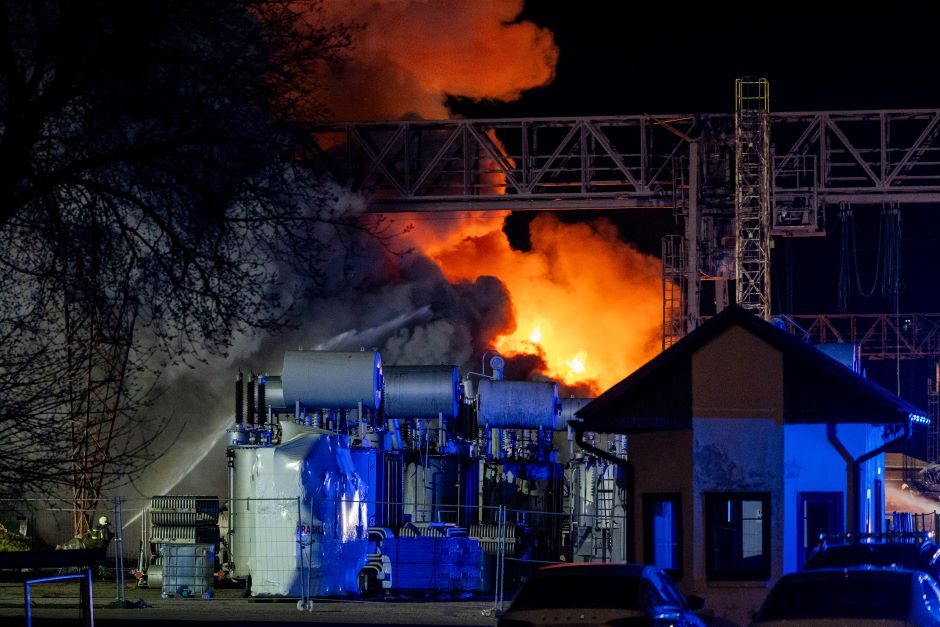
column 57, row 604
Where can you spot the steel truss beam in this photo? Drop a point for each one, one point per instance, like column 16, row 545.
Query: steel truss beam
column 524, row 164
column 820, row 158
column 862, row 156
column 880, row 336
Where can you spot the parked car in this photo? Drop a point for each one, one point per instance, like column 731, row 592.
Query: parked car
column 601, row 594
column 907, row 550
column 858, row 597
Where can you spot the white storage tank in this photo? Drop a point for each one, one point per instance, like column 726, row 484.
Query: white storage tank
column 421, row 391
column 334, row 380
column 519, row 404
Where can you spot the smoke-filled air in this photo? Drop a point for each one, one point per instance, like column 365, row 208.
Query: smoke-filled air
column 412, row 54
column 581, row 306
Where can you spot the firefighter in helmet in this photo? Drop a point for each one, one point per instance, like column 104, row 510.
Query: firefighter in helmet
column 99, row 537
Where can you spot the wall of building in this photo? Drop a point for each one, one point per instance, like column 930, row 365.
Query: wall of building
column 737, row 430
column 663, row 464
column 812, row 464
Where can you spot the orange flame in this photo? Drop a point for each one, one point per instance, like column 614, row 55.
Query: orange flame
column 587, row 303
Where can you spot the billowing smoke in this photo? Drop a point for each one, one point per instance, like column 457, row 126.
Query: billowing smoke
column 412, row 54
column 408, row 59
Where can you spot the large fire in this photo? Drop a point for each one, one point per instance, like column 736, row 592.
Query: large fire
column 588, row 305
column 585, row 302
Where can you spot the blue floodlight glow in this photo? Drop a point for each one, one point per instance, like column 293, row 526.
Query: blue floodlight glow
column 919, row 419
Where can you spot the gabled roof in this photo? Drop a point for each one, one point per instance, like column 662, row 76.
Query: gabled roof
column 816, row 388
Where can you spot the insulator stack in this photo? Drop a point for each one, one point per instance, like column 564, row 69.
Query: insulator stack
column 239, row 400
column 262, row 408
column 251, row 400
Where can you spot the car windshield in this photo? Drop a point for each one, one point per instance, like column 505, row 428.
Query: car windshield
column 583, row 591
column 885, row 598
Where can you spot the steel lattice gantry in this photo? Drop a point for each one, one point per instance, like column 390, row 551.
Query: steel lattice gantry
column 820, row 159
column 878, row 336
column 518, row 164
column 685, row 163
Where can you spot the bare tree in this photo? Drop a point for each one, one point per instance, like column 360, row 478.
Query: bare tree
column 151, row 204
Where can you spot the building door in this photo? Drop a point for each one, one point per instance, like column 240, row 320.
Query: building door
column 818, row 513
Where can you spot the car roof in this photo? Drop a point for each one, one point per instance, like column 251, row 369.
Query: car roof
column 598, row 568
column 912, row 550
column 855, row 572
column 920, row 553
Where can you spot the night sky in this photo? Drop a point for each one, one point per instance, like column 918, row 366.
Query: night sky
column 683, row 57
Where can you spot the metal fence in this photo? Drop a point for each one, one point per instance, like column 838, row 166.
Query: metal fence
column 924, row 522
column 34, row 524
column 322, row 547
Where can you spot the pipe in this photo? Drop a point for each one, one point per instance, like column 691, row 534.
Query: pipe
column 362, row 423
column 441, row 432
column 394, row 433
column 628, row 480
column 854, row 468
column 906, row 434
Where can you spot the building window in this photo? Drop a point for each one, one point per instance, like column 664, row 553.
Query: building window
column 662, row 532
column 737, row 527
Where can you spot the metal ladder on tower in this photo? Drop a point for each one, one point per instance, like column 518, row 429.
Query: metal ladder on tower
column 752, row 197
column 673, row 248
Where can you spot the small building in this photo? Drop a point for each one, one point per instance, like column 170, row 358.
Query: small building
column 744, row 443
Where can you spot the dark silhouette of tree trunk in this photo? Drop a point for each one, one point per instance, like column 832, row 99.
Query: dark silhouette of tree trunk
column 152, row 206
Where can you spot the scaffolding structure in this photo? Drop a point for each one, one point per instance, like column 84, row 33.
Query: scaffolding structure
column 752, row 195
